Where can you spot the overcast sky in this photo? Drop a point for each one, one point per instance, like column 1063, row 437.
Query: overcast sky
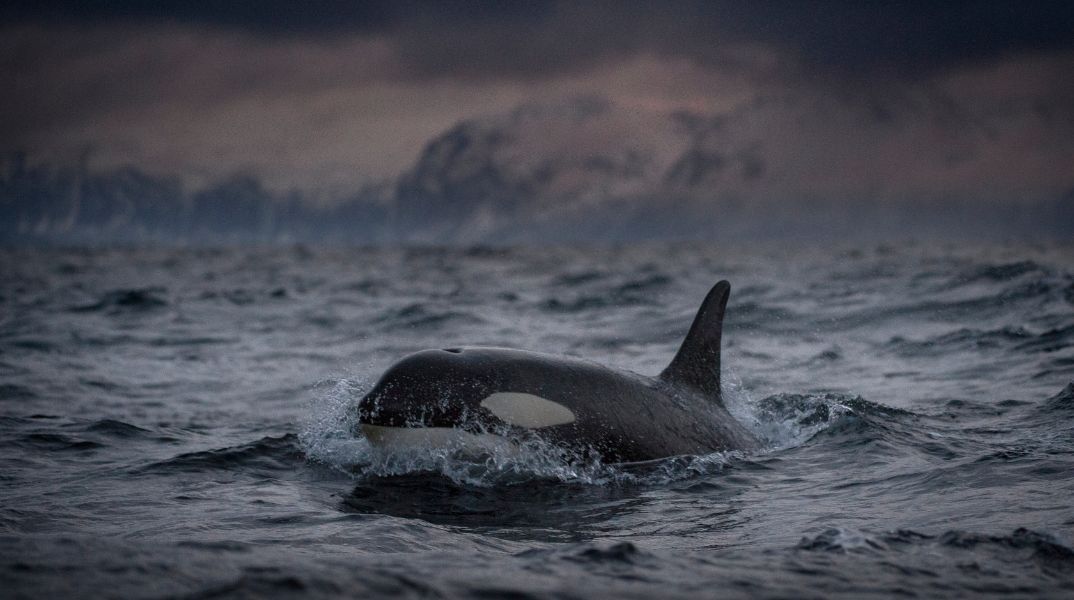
column 328, row 95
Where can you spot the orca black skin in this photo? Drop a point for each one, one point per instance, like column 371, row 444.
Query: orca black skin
column 571, row 402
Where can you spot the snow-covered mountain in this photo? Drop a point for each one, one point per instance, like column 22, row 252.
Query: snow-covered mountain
column 802, row 165
column 776, row 165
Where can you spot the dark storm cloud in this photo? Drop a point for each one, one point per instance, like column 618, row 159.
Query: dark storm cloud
column 525, row 39
column 864, row 98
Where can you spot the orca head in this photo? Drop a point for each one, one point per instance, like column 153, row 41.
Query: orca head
column 463, row 389
column 431, row 388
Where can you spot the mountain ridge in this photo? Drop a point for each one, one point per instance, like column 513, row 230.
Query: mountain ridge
column 588, row 169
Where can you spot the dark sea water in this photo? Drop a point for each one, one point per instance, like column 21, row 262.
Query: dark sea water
column 176, row 423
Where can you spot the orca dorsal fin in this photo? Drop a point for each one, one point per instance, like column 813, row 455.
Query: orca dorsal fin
column 697, row 363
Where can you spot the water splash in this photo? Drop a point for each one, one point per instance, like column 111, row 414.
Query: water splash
column 786, row 421
column 328, row 434
column 783, row 421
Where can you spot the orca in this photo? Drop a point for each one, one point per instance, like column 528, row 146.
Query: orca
column 476, row 396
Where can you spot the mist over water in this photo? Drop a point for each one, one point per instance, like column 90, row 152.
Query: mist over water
column 180, row 423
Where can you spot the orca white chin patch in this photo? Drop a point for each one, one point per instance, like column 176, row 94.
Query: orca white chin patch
column 527, row 410
column 422, row 438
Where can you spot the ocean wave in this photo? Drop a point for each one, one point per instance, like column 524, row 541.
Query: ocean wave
column 575, row 278
column 1001, row 272
column 549, row 506
column 1060, row 404
column 56, row 442
column 621, row 552
column 244, row 296
column 959, row 339
column 126, row 300
column 1020, row 545
column 1052, row 340
column 266, row 454
column 113, row 428
column 580, row 303
column 790, row 420
column 423, row 316
column 16, row 393
column 636, row 291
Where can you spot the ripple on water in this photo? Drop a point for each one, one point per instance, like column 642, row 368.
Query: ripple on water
column 264, row 455
column 126, row 300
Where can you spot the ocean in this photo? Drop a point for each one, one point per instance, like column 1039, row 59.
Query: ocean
column 179, row 422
